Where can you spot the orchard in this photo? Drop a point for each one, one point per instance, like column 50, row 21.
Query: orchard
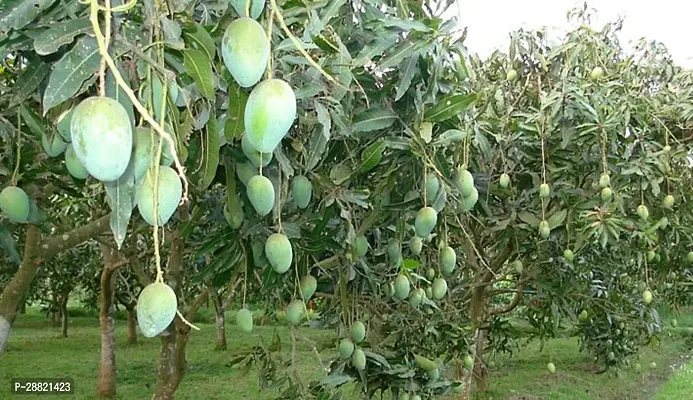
column 346, row 167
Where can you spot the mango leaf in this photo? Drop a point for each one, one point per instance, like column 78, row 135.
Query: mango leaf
column 405, row 25
column 331, row 10
column 426, row 131
column 210, row 154
column 374, row 119
column 172, row 33
column 15, row 14
column 449, row 136
column 398, row 54
column 235, row 121
column 375, row 48
column 115, row 92
column 283, row 161
column 199, row 67
column 121, row 195
column 233, row 210
column 407, row 70
column 198, row 38
column 320, row 137
column 529, row 218
column 76, row 66
column 340, row 120
column 30, row 79
column 372, row 155
column 409, row 263
column 557, row 218
column 449, row 106
column 9, row 245
column 62, row 33
column 32, row 120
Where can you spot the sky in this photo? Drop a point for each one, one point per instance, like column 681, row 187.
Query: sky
column 489, row 22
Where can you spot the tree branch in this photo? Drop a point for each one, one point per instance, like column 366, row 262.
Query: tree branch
column 511, row 306
column 53, row 245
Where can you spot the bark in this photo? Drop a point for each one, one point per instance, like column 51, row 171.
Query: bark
column 17, row 287
column 132, row 325
column 174, row 340
column 34, row 254
column 220, row 319
column 106, row 381
column 54, row 309
column 63, row 310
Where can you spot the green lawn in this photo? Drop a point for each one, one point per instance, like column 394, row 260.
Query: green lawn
column 35, row 350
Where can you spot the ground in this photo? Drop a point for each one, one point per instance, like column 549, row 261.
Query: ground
column 35, row 350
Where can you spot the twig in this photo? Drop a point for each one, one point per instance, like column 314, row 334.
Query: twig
column 107, row 39
column 19, row 147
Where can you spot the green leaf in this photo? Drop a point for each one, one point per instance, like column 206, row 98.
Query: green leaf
column 374, row 119
column 404, row 24
column 15, row 14
column 30, row 79
column 398, row 54
column 235, row 121
column 340, row 120
column 33, row 121
column 372, row 155
column 409, row 263
column 121, row 195
column 68, row 75
column 198, row 37
column 172, row 33
column 529, row 218
column 199, row 67
column 407, row 70
column 331, row 10
column 210, row 154
column 9, row 245
column 556, row 219
column 115, row 92
column 450, row 136
column 426, row 131
column 375, row 48
column 320, row 137
column 449, row 106
column 308, row 90
column 233, row 210
column 50, row 40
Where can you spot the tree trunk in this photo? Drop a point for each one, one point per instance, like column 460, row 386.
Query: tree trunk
column 63, row 311
column 54, row 310
column 18, row 286
column 106, row 381
column 22, row 309
column 132, row 325
column 220, row 319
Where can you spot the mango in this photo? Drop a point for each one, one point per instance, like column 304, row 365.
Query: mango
column 417, row 296
column 346, row 348
column 63, row 125
column 551, row 368
column 402, row 287
column 74, row 166
column 668, row 201
column 468, row 362
column 440, row 288
column 15, row 204
column 245, row 50
column 606, row 194
column 517, row 265
column 244, row 320
column 596, row 74
column 358, row 331
column 568, row 254
column 53, row 146
column 142, row 151
column 358, row 359
column 663, row 223
column 279, row 252
column 361, row 246
column 469, row 202
column 464, row 182
column 689, row 256
column 643, row 212
column 544, row 190
column 302, row 190
column 583, row 316
column 504, row 180
column 394, row 252
column 255, row 157
column 647, row 297
column 245, row 171
column 102, row 137
column 604, row 181
column 156, row 308
column 308, row 286
column 432, row 187
column 261, row 194
column 425, row 221
column 447, row 259
column 295, row 312
column 433, row 375
column 415, row 245
column 170, row 194
column 425, row 363
column 269, row 113
column 430, row 274
column 544, row 230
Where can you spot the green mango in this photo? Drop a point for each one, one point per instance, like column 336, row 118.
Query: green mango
column 15, row 204
column 504, row 180
column 544, row 190
column 358, row 359
column 464, row 182
column 279, row 252
column 424, row 363
column 447, row 259
column 245, row 172
column 269, row 113
column 245, row 50
column 256, row 7
column 74, row 166
column 346, row 348
column 470, row 201
column 358, row 331
column 440, row 288
column 361, row 246
column 402, row 287
column 415, row 245
column 302, row 190
column 244, row 320
column 295, row 312
column 468, row 362
column 255, row 157
column 170, row 194
column 102, row 137
column 425, row 222
column 308, row 286
column 511, row 75
column 668, row 201
column 394, row 252
column 54, row 146
column 261, row 194
column 606, row 194
column 604, row 181
column 156, row 307
column 417, row 297
column 568, row 254
column 432, row 187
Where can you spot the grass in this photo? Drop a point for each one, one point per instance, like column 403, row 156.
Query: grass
column 35, row 350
